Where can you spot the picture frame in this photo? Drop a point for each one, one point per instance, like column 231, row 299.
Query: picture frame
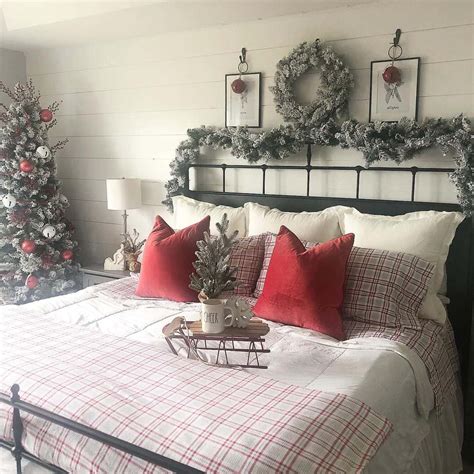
column 391, row 102
column 243, row 110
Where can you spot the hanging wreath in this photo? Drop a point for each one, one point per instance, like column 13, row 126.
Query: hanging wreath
column 332, row 95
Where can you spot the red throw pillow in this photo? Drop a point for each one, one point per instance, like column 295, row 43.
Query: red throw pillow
column 305, row 287
column 168, row 261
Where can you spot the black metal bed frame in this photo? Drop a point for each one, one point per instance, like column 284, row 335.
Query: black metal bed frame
column 19, row 452
column 309, row 167
column 459, row 269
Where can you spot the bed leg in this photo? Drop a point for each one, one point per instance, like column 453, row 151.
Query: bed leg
column 17, row 428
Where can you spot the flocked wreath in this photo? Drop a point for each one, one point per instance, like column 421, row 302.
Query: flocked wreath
column 378, row 141
column 332, row 95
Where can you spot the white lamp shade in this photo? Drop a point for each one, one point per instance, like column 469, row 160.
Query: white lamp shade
column 123, row 194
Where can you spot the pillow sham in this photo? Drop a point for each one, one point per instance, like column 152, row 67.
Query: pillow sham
column 269, row 240
column 187, row 211
column 385, row 288
column 426, row 234
column 316, row 226
column 168, row 259
column 247, row 255
column 305, row 287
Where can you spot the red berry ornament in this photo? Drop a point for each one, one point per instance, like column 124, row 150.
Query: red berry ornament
column 392, row 75
column 28, row 246
column 26, row 166
column 67, row 254
column 46, row 115
column 238, row 86
column 32, row 282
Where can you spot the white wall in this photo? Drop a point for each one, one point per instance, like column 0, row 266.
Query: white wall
column 12, row 70
column 127, row 104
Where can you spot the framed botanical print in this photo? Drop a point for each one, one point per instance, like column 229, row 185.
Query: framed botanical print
column 397, row 98
column 242, row 100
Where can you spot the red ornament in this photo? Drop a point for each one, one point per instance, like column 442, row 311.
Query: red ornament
column 392, row 75
column 28, row 246
column 46, row 261
column 67, row 254
column 238, row 86
column 46, row 115
column 26, row 166
column 32, row 282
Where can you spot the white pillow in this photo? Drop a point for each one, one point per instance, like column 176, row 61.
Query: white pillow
column 313, row 226
column 188, row 211
column 426, row 234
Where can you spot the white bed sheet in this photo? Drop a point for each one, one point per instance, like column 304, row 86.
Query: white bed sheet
column 385, row 374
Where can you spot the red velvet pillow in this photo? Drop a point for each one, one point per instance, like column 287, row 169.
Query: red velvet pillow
column 305, row 287
column 168, row 261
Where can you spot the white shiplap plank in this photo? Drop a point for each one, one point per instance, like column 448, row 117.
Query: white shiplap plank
column 97, row 169
column 435, row 79
column 339, row 24
column 125, row 147
column 453, row 44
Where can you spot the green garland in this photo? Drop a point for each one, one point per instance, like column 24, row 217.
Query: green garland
column 378, row 141
column 401, row 141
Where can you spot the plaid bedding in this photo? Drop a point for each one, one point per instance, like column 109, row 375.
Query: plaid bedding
column 385, row 288
column 434, row 344
column 213, row 419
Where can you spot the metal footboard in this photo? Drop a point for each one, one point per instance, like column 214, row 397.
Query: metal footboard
column 19, row 452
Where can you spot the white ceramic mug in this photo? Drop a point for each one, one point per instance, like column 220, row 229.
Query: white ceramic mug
column 216, row 316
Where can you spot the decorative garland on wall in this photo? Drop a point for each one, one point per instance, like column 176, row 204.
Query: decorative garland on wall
column 378, row 141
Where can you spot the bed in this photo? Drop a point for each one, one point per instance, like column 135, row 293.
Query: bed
column 397, row 395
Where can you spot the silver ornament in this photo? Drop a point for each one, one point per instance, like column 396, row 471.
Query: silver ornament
column 9, row 201
column 63, row 199
column 49, row 231
column 43, row 151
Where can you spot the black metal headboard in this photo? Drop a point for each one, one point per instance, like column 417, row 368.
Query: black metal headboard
column 460, row 261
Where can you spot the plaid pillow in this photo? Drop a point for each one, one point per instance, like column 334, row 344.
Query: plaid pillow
column 269, row 242
column 385, row 288
column 247, row 256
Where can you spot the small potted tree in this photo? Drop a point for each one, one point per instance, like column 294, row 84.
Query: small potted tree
column 214, row 274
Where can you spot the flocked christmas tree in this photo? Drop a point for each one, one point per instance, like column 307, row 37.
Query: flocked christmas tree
column 37, row 248
column 214, row 274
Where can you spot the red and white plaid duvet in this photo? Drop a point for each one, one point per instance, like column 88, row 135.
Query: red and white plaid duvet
column 214, row 419
column 434, row 344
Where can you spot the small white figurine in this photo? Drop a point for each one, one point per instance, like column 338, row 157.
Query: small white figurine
column 117, row 262
column 241, row 310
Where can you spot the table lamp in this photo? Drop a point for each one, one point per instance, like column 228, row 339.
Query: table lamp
column 122, row 194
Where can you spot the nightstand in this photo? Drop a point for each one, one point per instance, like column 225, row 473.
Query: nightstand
column 95, row 274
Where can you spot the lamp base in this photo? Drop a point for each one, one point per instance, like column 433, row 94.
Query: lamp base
column 117, row 261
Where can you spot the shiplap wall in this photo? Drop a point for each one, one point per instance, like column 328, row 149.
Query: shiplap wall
column 127, row 104
column 12, row 70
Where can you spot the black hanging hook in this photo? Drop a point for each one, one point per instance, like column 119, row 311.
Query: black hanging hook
column 396, row 40
column 243, row 55
column 395, row 50
column 243, row 67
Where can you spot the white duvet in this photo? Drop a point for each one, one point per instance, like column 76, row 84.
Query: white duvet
column 386, row 375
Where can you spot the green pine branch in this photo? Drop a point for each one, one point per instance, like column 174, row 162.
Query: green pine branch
column 214, row 274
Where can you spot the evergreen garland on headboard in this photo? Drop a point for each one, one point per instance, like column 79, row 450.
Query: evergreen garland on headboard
column 378, row 141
